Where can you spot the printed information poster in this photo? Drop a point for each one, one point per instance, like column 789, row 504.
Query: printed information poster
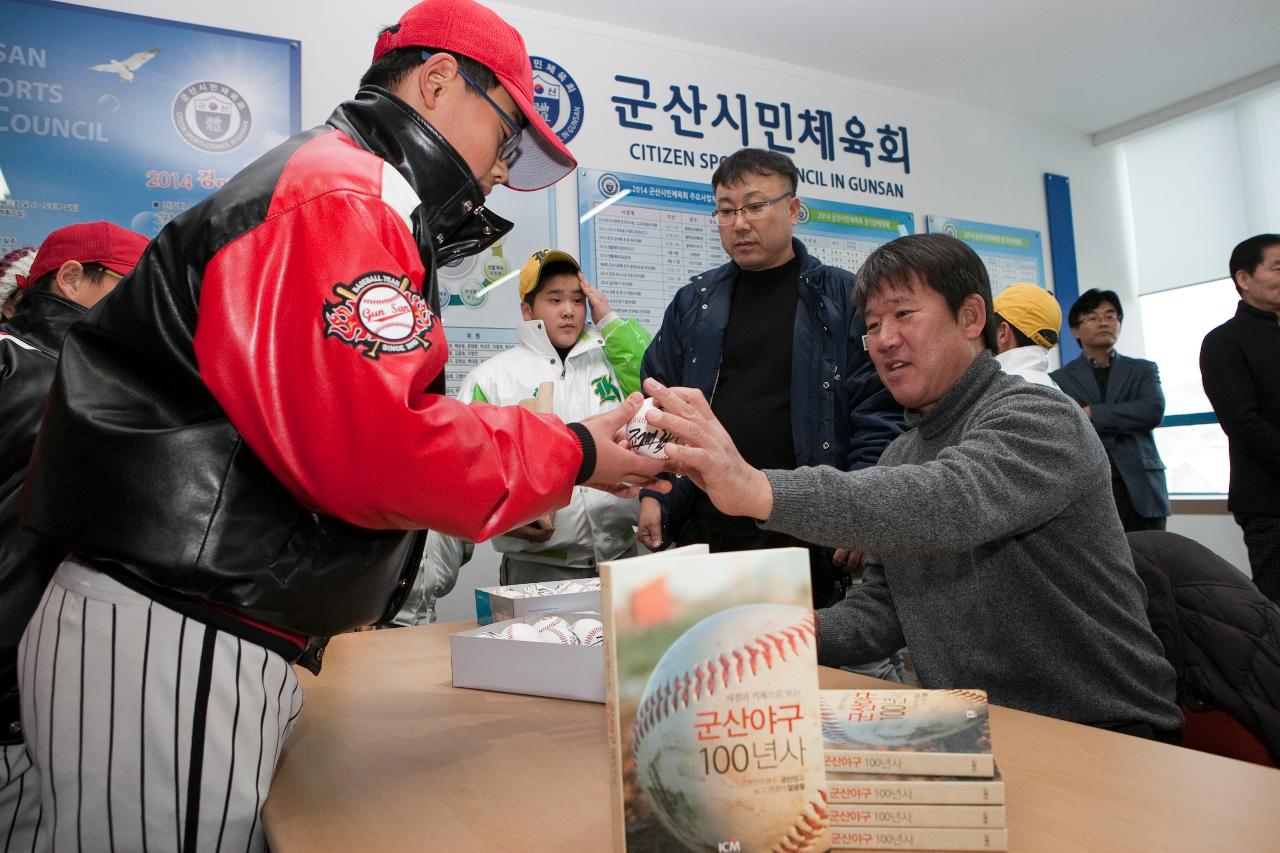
column 842, row 235
column 646, row 246
column 479, row 326
column 1012, row 255
column 130, row 119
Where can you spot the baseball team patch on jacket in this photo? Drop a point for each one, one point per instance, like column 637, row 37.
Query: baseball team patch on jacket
column 379, row 313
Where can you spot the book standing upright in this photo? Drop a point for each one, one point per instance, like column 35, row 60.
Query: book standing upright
column 712, row 694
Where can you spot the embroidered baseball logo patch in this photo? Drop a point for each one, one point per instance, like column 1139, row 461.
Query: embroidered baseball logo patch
column 379, row 313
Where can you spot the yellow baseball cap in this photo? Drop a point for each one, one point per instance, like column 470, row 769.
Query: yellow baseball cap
column 531, row 273
column 1031, row 310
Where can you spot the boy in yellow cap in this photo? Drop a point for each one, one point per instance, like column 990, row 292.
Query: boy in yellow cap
column 592, row 367
column 1027, row 323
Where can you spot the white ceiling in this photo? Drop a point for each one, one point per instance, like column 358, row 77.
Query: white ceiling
column 1087, row 65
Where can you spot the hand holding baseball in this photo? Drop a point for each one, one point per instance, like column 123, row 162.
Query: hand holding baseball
column 618, row 470
column 595, row 299
column 706, row 453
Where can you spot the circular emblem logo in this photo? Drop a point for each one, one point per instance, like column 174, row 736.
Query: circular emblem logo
column 385, row 311
column 949, row 228
column 212, row 116
column 495, row 268
column 804, row 214
column 608, row 185
column 458, row 267
column 471, row 295
column 556, row 98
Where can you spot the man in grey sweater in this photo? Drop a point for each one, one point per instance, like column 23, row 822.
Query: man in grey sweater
column 997, row 556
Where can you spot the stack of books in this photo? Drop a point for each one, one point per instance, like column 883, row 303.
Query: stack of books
column 911, row 770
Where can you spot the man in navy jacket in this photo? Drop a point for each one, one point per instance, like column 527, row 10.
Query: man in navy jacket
column 1122, row 398
column 774, row 341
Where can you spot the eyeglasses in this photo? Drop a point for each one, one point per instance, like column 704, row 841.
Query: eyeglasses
column 1104, row 317
column 100, row 271
column 509, row 151
column 750, row 212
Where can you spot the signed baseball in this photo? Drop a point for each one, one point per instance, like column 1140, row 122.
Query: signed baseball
column 756, row 662
column 645, row 439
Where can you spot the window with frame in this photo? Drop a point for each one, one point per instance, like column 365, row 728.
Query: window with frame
column 1192, row 444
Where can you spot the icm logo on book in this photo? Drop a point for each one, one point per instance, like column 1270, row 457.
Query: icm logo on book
column 212, row 116
column 556, row 98
column 733, row 845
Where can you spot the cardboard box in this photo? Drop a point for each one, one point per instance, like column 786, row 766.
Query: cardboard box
column 527, row 666
column 499, row 603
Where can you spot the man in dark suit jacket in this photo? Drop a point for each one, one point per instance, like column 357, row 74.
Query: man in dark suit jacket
column 1122, row 398
column 1240, row 368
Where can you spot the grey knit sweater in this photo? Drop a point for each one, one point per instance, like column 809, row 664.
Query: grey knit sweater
column 999, row 559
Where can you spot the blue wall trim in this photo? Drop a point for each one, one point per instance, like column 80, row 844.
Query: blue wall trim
column 1193, row 419
column 1062, row 253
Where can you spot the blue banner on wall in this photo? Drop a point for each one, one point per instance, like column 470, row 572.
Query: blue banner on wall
column 1011, row 255
column 126, row 118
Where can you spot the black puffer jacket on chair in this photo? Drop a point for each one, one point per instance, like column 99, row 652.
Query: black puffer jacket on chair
column 1221, row 635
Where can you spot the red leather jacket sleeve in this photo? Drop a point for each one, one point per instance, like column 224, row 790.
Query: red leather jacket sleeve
column 333, row 399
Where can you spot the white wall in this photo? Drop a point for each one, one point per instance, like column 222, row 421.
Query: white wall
column 965, row 162
column 1219, row 533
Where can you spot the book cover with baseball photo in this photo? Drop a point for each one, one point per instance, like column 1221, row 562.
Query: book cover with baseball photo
column 711, row 686
column 926, row 732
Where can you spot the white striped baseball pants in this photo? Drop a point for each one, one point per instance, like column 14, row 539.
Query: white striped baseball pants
column 146, row 730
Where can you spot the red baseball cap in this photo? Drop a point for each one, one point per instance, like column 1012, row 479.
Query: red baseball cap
column 103, row 243
column 467, row 28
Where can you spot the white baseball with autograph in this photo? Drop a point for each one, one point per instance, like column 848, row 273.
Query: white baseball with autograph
column 644, row 438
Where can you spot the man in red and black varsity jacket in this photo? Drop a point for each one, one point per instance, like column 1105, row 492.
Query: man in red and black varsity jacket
column 241, row 443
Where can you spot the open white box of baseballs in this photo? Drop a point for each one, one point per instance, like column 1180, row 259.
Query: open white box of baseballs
column 560, row 655
column 498, row 603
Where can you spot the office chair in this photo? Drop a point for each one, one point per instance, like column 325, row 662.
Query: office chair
column 1222, row 638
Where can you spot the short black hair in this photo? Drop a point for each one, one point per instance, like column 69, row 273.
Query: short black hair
column 755, row 161
column 548, row 271
column 93, row 273
column 390, row 69
column 1248, row 254
column 1090, row 300
column 943, row 263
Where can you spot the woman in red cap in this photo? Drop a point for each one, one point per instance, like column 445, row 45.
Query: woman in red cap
column 73, row 270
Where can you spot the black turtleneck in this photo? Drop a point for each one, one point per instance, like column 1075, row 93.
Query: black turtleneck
column 752, row 397
column 753, row 394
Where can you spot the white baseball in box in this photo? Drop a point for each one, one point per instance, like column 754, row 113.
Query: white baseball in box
column 538, row 667
column 498, row 603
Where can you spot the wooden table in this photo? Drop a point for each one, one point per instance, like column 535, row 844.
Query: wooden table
column 388, row 755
